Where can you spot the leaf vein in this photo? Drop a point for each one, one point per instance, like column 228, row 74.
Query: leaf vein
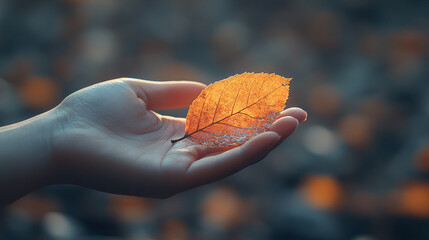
column 202, row 109
column 264, row 81
column 239, row 112
column 218, row 101
column 236, row 96
column 250, row 91
column 230, row 125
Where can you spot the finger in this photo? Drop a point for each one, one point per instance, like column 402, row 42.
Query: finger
column 295, row 112
column 284, row 126
column 212, row 168
column 166, row 94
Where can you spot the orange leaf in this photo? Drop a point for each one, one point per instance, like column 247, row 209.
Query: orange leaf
column 231, row 111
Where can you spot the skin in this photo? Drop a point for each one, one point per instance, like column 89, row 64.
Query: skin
column 107, row 137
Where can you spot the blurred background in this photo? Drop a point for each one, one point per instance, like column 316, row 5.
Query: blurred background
column 357, row 169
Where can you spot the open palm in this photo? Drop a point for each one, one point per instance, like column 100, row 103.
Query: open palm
column 111, row 140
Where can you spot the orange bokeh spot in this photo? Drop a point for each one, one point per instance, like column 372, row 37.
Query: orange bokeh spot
column 356, row 130
column 323, row 192
column 414, row 199
column 174, row 229
column 177, row 70
column 39, row 92
column 224, row 208
column 422, row 158
column 127, row 208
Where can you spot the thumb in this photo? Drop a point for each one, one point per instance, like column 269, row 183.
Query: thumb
column 166, row 94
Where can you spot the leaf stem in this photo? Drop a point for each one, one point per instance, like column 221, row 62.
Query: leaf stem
column 176, row 140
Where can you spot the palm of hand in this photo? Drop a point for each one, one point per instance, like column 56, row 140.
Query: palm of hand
column 113, row 143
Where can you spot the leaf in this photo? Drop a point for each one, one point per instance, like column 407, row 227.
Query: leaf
column 231, row 111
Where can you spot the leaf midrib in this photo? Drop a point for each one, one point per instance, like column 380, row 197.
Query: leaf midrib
column 216, row 122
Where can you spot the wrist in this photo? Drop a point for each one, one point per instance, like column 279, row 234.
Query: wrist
column 40, row 131
column 25, row 155
column 58, row 150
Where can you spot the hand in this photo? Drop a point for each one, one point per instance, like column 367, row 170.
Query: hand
column 107, row 137
column 112, row 141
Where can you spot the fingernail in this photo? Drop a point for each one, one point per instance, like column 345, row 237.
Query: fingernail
column 285, row 113
column 297, row 122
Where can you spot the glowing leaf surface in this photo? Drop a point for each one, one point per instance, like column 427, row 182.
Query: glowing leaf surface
column 231, row 111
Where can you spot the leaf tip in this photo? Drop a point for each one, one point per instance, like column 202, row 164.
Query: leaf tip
column 287, row 82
